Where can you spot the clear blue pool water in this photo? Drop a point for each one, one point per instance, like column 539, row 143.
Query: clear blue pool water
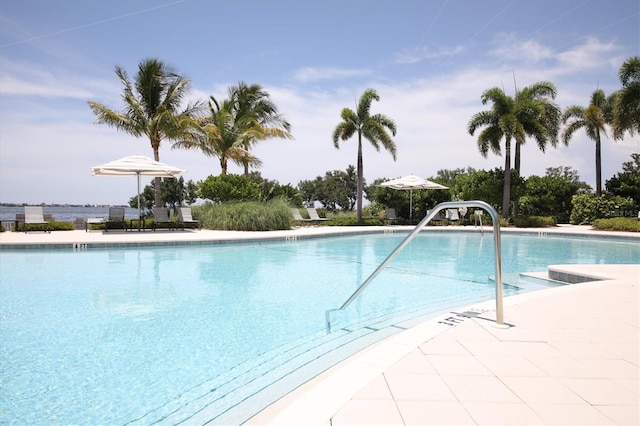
column 168, row 335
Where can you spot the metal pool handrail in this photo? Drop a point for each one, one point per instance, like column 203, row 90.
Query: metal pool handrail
column 449, row 204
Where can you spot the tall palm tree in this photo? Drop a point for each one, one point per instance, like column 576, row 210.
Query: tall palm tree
column 220, row 136
column 529, row 113
column 539, row 115
column 151, row 107
column 371, row 127
column 626, row 109
column 254, row 110
column 499, row 122
column 593, row 119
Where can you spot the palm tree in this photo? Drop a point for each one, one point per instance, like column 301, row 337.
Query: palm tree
column 626, row 109
column 255, row 111
column 220, row 136
column 529, row 113
column 151, row 108
column 539, row 115
column 371, row 127
column 593, row 120
column 232, row 126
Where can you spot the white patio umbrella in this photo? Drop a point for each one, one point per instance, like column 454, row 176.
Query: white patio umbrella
column 137, row 165
column 411, row 182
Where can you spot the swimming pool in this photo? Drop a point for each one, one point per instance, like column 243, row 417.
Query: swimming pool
column 187, row 334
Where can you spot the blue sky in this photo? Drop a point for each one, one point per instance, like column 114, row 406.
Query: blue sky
column 429, row 61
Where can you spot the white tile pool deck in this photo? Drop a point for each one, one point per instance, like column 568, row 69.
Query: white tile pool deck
column 570, row 355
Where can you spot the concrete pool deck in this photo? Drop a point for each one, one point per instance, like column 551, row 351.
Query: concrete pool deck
column 569, row 356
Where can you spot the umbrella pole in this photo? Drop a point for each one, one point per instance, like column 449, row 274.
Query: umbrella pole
column 139, row 217
column 410, row 206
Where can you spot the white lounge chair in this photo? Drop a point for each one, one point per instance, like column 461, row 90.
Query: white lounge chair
column 297, row 216
column 453, row 216
column 313, row 215
column 185, row 218
column 33, row 215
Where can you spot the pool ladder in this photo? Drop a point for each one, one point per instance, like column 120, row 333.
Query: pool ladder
column 442, row 206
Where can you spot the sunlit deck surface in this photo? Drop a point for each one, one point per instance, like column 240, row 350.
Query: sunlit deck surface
column 569, row 356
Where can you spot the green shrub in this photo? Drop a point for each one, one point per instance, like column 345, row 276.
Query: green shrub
column 534, row 221
column 53, row 225
column 224, row 188
column 245, row 216
column 586, row 208
column 352, row 221
column 630, row 224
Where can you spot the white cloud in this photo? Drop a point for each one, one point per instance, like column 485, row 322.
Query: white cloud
column 412, row 56
column 310, row 74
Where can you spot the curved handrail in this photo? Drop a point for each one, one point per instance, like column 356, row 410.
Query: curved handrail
column 446, row 205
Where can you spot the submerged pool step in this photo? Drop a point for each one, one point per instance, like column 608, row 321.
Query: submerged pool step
column 237, row 394
column 528, row 281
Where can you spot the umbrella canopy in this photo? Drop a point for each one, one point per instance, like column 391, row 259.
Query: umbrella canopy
column 411, row 182
column 137, row 165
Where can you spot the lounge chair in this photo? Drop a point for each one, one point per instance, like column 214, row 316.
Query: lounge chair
column 115, row 219
column 161, row 219
column 33, row 215
column 453, row 216
column 477, row 218
column 437, row 219
column 313, row 215
column 185, row 219
column 297, row 216
column 390, row 214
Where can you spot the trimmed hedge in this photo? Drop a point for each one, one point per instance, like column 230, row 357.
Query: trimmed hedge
column 589, row 207
column 348, row 221
column 534, row 221
column 629, row 224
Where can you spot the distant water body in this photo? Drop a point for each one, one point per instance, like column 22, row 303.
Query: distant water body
column 67, row 214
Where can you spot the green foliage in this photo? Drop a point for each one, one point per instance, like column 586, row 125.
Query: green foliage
column 225, row 188
column 588, row 207
column 630, row 224
column 627, row 182
column 271, row 189
column 551, row 194
column 337, row 190
column 352, row 221
column 53, row 226
column 487, row 186
column 534, row 221
column 173, row 192
column 244, row 216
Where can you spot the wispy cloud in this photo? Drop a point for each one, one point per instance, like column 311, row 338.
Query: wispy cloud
column 309, row 74
column 424, row 53
column 26, row 79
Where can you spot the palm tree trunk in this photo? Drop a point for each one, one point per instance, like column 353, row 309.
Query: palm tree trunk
column 516, row 164
column 223, row 165
column 359, row 182
column 157, row 197
column 598, row 165
column 506, row 191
